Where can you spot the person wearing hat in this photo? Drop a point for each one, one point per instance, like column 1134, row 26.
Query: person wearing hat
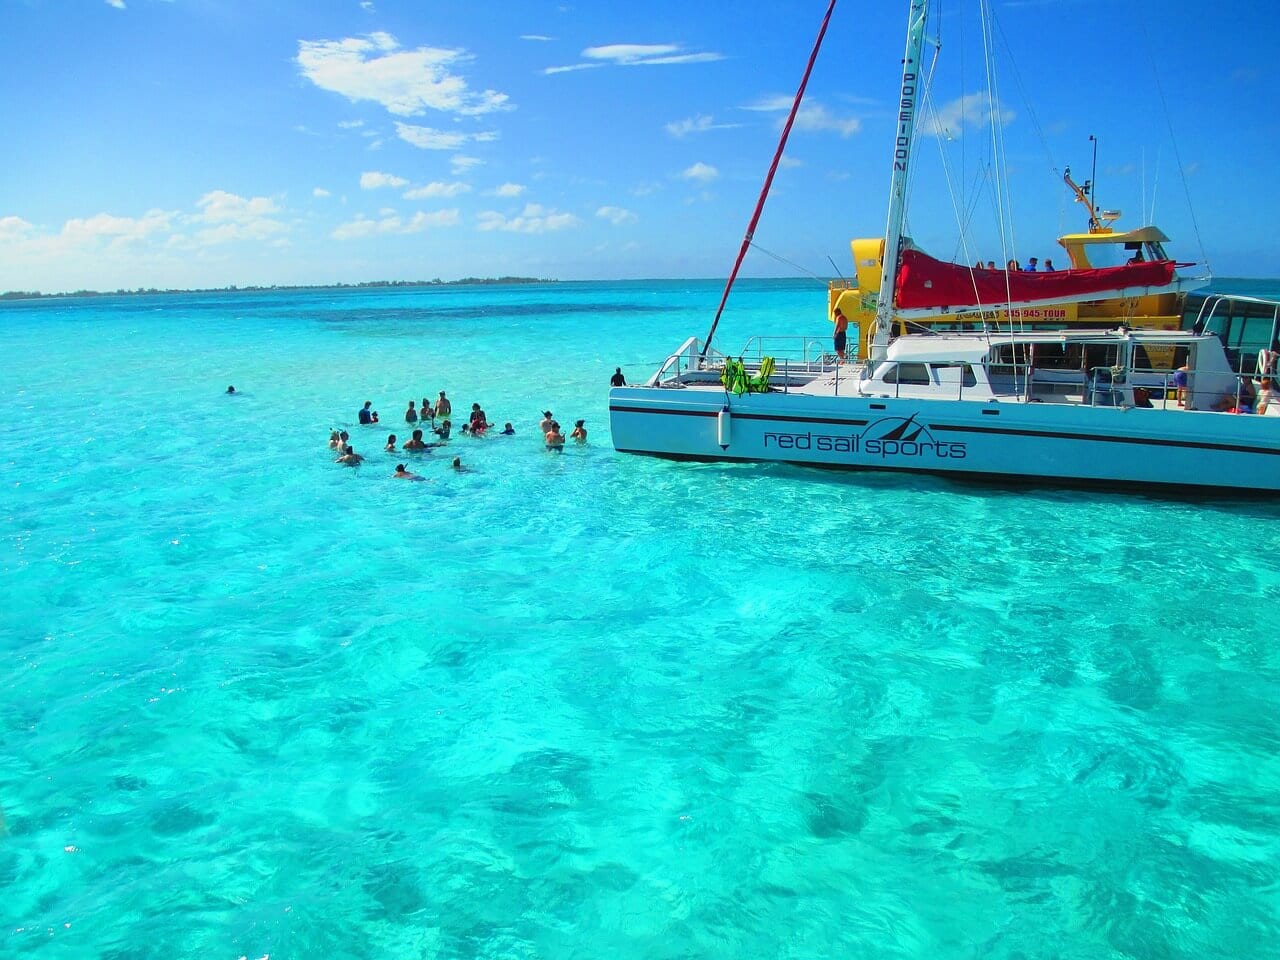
column 545, row 425
column 579, row 432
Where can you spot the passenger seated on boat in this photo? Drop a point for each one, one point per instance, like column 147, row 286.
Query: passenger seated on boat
column 1141, row 397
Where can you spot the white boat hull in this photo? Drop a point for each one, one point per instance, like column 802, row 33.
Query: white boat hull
column 1027, row 441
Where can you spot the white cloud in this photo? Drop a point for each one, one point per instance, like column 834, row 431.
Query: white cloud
column 533, row 219
column 436, row 188
column 367, row 6
column 635, row 55
column 507, row 190
column 461, row 164
column 320, row 192
column 406, row 83
column 812, row 116
column 232, row 217
column 616, row 215
column 702, row 172
column 363, row 226
column 118, row 229
column 972, row 110
column 534, row 36
column 350, row 124
column 13, row 229
column 118, row 4
column 698, row 124
column 427, row 138
column 372, row 180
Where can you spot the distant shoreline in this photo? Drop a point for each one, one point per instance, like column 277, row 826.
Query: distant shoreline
column 366, row 285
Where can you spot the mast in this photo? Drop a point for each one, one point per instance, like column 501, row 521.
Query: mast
column 898, row 184
column 768, row 180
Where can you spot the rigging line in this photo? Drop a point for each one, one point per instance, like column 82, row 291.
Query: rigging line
column 790, row 263
column 768, row 180
column 1177, row 155
column 995, row 154
column 931, row 111
column 1022, row 92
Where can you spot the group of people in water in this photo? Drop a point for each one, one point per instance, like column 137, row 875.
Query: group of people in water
column 438, row 419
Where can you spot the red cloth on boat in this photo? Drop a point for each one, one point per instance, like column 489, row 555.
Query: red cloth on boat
column 924, row 282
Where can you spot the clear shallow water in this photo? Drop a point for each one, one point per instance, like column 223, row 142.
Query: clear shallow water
column 252, row 702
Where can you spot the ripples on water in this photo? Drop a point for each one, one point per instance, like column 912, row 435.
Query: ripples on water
column 253, row 702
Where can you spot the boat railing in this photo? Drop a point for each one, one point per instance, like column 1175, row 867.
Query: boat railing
column 691, row 356
column 802, row 354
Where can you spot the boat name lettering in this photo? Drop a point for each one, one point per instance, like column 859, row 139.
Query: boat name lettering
column 902, row 151
column 898, row 441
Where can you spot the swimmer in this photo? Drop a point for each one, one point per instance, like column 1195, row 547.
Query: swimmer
column 444, row 429
column 403, row 474
column 350, row 458
column 415, row 442
column 443, row 406
column 391, row 443
column 545, row 425
column 457, row 465
column 466, row 429
column 554, row 438
column 508, row 431
column 411, row 415
column 231, row 389
column 366, row 415
column 374, row 415
column 579, row 432
column 335, row 438
column 344, row 442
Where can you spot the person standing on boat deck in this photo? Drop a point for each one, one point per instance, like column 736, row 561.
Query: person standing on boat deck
column 840, row 337
column 991, row 264
column 411, row 415
column 617, row 380
column 1049, row 267
column 545, row 426
column 443, row 407
column 1033, row 265
column 366, row 415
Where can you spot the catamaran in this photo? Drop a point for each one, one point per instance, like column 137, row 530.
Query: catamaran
column 1116, row 406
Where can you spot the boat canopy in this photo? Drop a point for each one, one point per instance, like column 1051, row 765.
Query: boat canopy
column 928, row 284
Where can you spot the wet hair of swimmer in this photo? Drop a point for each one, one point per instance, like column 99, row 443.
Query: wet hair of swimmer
column 457, row 461
column 399, row 468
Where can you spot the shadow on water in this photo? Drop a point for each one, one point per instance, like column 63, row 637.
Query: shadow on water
column 1259, row 504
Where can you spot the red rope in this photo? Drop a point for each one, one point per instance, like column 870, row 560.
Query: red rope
column 768, row 180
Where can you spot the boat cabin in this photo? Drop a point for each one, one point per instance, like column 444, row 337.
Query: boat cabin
column 1099, row 368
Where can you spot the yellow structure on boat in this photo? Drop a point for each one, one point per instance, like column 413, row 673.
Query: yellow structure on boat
column 1100, row 247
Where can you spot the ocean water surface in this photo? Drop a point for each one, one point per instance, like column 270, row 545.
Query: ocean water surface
column 256, row 703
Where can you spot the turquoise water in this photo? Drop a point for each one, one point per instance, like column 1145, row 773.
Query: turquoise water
column 253, row 702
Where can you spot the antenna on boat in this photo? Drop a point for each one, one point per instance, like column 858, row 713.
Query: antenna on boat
column 1093, row 175
column 768, row 180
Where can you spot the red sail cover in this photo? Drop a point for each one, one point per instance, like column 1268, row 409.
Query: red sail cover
column 925, row 283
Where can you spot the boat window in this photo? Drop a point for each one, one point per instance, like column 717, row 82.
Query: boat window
column 911, row 373
column 1112, row 254
column 967, row 378
column 1155, row 251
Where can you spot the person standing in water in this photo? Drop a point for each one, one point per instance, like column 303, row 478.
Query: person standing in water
column 443, row 407
column 579, row 432
column 411, row 415
column 617, row 380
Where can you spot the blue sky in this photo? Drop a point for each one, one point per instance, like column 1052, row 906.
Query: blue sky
column 192, row 143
